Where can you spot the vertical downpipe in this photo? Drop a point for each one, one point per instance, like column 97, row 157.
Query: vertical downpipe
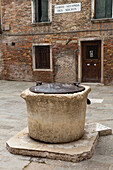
column 75, row 63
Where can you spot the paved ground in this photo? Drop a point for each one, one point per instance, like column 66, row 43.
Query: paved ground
column 13, row 118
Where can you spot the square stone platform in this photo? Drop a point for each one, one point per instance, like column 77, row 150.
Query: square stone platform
column 75, row 151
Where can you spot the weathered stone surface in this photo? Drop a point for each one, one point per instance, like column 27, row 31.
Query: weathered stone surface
column 56, row 118
column 74, row 151
column 13, row 115
column 97, row 127
column 34, row 165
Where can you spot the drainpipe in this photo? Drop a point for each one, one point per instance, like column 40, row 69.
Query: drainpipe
column 75, row 62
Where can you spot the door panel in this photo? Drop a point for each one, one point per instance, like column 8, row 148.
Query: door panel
column 91, row 61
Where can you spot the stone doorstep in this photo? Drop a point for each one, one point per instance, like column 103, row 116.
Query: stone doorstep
column 76, row 151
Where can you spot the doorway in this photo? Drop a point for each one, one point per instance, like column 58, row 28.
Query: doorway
column 91, row 61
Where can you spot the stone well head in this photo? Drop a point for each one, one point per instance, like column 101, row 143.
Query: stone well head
column 56, row 115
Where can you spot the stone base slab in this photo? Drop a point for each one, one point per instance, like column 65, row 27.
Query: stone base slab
column 75, row 151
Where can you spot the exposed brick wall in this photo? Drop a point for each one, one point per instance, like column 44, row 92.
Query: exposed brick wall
column 108, row 61
column 17, row 60
column 18, row 14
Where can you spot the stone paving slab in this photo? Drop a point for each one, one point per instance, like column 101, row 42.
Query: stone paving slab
column 92, row 166
column 13, row 118
column 97, row 127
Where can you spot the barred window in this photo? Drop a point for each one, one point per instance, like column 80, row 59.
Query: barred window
column 42, row 57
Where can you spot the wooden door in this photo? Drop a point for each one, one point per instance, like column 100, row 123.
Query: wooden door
column 91, row 61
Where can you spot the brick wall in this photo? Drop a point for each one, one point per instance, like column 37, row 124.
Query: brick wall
column 63, row 33
column 108, row 61
column 19, row 16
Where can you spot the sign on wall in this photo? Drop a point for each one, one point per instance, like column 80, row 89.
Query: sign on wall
column 65, row 8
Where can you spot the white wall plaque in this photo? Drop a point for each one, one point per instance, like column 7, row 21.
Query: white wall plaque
column 65, row 8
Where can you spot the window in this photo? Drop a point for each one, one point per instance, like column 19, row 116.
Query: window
column 92, row 52
column 103, row 9
column 41, row 11
column 42, row 59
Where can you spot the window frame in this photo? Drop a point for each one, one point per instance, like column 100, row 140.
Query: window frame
column 49, row 12
column 33, row 57
column 93, row 13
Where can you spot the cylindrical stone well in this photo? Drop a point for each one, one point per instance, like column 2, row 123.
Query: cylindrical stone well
column 56, row 118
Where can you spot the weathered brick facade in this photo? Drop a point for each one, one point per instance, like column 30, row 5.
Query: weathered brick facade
column 65, row 33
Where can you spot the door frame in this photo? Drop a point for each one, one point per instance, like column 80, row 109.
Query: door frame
column 80, row 57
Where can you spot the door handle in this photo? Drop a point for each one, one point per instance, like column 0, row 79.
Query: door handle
column 88, row 64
